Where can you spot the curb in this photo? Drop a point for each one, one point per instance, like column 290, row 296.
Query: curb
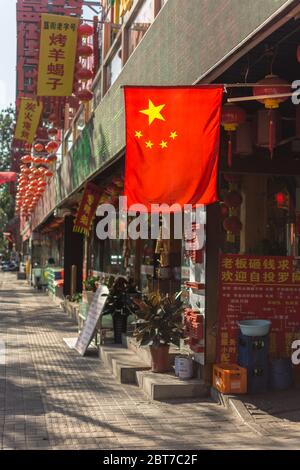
column 232, row 403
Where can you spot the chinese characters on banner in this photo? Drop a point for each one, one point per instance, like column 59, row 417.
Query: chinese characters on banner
column 87, row 209
column 58, row 43
column 28, row 120
column 257, row 287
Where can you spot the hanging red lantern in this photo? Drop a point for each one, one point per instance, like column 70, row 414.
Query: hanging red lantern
column 84, row 74
column 42, row 133
column 224, row 210
column 52, row 159
column 231, row 117
column 52, row 146
column 85, row 30
column 49, row 173
column 52, row 132
column 85, row 51
column 26, row 159
column 233, row 224
column 233, row 199
column 85, row 95
column 38, row 160
column 73, row 102
column 38, row 147
column 271, row 85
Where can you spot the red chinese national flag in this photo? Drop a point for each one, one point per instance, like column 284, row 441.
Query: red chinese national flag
column 172, row 144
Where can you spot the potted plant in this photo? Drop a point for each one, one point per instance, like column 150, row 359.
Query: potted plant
column 159, row 324
column 120, row 305
column 90, row 285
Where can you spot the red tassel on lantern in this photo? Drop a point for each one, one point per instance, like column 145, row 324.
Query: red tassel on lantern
column 231, row 117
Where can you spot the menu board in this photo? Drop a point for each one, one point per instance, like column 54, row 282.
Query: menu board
column 258, row 287
column 89, row 327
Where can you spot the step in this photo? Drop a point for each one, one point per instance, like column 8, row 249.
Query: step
column 123, row 363
column 144, row 352
column 167, row 386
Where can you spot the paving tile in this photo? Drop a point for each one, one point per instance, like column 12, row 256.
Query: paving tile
column 51, row 398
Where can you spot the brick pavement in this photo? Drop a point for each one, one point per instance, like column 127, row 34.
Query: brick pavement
column 52, row 398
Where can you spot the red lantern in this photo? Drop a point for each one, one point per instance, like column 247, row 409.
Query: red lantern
column 38, row 160
column 224, row 210
column 271, row 85
column 52, row 159
column 49, row 173
column 85, row 30
column 73, row 102
column 52, row 146
column 231, row 117
column 84, row 75
column 85, row 51
column 52, row 132
column 85, row 95
column 26, row 159
column 232, row 224
column 38, row 147
column 42, row 133
column 233, row 199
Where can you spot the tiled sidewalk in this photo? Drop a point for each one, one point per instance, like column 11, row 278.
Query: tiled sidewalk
column 52, row 398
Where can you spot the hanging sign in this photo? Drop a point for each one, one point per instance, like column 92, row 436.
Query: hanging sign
column 258, row 287
column 87, row 209
column 28, row 120
column 94, row 313
column 58, row 42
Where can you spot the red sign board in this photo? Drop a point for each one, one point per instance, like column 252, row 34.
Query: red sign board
column 258, row 287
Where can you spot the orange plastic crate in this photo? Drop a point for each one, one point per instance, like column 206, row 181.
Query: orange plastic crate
column 230, row 378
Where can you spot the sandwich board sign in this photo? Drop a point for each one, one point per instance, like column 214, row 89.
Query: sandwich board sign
column 94, row 313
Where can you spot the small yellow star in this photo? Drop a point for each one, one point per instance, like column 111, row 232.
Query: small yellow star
column 149, row 144
column 163, row 144
column 138, row 134
column 173, row 135
column 153, row 112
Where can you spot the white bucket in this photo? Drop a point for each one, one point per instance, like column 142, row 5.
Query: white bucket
column 184, row 367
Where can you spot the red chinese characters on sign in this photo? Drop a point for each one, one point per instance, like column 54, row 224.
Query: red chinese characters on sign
column 253, row 287
column 87, row 209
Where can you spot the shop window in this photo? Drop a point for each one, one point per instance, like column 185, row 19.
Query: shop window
column 140, row 25
column 114, row 68
column 113, row 257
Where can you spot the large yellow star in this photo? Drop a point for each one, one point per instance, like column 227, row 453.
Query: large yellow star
column 153, row 112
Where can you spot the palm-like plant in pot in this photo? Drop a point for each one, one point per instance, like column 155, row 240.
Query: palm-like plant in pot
column 159, row 324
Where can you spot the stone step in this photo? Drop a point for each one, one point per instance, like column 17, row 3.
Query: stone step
column 123, row 363
column 144, row 353
column 167, row 386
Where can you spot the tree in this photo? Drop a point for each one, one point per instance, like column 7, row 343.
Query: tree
column 7, row 124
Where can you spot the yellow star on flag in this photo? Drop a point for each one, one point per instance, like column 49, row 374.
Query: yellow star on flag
column 138, row 134
column 149, row 144
column 173, row 135
column 153, row 112
column 163, row 144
